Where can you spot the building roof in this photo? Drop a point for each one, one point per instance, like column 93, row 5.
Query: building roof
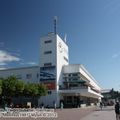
column 18, row 68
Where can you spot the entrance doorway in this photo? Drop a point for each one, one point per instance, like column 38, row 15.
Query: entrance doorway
column 71, row 101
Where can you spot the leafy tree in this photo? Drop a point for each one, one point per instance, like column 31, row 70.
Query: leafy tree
column 12, row 87
column 30, row 89
column 9, row 86
column 42, row 90
column 19, row 87
column 33, row 89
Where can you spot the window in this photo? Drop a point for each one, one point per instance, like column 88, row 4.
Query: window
column 28, row 76
column 48, row 41
column 18, row 76
column 37, row 75
column 47, row 64
column 47, row 52
column 49, row 92
column 74, row 74
column 65, row 59
column 69, row 75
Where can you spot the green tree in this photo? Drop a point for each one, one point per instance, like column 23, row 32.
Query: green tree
column 19, row 87
column 30, row 89
column 9, row 86
column 12, row 87
column 42, row 90
column 33, row 89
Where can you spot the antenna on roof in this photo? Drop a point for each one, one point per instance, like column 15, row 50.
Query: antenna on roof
column 55, row 24
column 65, row 38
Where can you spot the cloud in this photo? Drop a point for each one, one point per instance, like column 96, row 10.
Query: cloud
column 7, row 57
column 31, row 63
column 28, row 63
column 2, row 68
column 116, row 55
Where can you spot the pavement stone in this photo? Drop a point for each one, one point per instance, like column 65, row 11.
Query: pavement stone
column 107, row 113
column 89, row 113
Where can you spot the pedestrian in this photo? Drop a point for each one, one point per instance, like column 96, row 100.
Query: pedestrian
column 61, row 105
column 117, row 110
column 54, row 103
column 101, row 105
column 42, row 105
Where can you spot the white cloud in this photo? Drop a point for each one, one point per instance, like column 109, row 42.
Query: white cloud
column 7, row 57
column 2, row 68
column 31, row 63
column 116, row 55
column 28, row 63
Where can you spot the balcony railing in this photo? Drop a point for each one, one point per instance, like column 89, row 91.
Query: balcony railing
column 75, row 81
column 73, row 88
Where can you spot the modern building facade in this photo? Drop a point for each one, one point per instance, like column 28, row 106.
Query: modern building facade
column 71, row 84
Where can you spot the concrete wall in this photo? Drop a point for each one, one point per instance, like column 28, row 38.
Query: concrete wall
column 27, row 74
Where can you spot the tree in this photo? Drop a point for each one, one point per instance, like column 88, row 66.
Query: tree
column 9, row 86
column 33, row 89
column 30, row 89
column 42, row 90
column 20, row 85
column 12, row 87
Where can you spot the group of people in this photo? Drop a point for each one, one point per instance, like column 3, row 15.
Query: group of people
column 55, row 106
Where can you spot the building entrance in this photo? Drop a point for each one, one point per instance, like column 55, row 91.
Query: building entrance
column 71, row 101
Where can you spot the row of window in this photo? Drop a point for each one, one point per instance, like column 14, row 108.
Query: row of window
column 72, row 79
column 72, row 75
column 28, row 76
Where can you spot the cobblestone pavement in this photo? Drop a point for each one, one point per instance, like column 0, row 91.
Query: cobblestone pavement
column 90, row 113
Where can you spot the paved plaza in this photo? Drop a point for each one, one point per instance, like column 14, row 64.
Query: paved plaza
column 106, row 114
column 78, row 114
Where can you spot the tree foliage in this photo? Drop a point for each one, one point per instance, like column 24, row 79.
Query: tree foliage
column 42, row 89
column 11, row 87
column 20, row 85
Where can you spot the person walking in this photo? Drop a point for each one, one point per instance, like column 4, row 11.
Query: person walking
column 117, row 110
column 61, row 105
column 101, row 105
column 54, row 103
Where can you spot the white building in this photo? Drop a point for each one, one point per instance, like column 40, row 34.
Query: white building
column 70, row 84
column 28, row 74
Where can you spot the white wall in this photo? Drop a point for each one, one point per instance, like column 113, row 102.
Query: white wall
column 22, row 72
column 46, row 47
column 61, row 53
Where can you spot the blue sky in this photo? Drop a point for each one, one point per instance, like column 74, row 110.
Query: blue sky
column 92, row 27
